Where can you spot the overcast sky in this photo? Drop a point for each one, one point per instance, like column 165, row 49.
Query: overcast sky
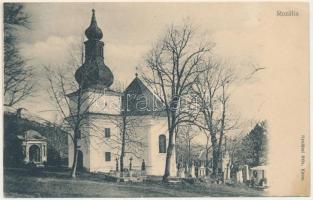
column 129, row 31
column 243, row 35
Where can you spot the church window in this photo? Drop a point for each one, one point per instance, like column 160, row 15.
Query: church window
column 107, row 156
column 107, row 132
column 162, row 144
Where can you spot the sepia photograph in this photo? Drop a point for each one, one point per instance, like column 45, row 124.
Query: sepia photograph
column 162, row 99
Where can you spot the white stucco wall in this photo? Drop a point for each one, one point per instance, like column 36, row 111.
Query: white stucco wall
column 140, row 134
column 158, row 127
column 146, row 130
column 90, row 144
column 83, row 147
column 99, row 144
column 106, row 102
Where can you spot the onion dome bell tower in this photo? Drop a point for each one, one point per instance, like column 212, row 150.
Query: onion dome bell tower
column 94, row 73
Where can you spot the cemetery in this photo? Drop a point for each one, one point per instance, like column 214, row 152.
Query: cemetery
column 134, row 139
column 253, row 177
column 56, row 183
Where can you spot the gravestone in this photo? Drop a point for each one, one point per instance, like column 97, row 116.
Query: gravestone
column 239, row 176
column 181, row 172
column 245, row 173
column 186, row 171
column 227, row 173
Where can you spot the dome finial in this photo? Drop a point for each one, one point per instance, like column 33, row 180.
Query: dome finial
column 93, row 31
column 93, row 18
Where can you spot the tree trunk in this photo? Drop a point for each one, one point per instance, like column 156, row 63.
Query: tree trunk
column 123, row 147
column 74, row 166
column 168, row 163
column 76, row 134
column 220, row 143
column 207, row 157
column 122, row 160
column 122, row 165
column 189, row 152
column 219, row 153
column 168, row 157
column 215, row 155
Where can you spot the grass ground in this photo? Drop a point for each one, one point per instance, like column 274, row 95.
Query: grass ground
column 21, row 183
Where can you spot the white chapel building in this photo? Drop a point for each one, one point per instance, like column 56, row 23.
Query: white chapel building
column 100, row 147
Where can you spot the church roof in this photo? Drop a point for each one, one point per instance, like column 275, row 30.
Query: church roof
column 31, row 135
column 139, row 100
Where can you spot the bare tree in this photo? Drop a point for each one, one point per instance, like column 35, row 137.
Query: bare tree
column 130, row 142
column 207, row 148
column 249, row 148
column 72, row 106
column 233, row 146
column 173, row 67
column 73, row 102
column 17, row 73
column 211, row 89
column 185, row 138
column 127, row 141
column 123, row 126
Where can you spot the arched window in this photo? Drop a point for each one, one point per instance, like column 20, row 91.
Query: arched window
column 162, row 144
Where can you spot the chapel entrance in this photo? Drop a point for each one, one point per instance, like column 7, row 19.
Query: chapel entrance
column 34, row 154
column 80, row 161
